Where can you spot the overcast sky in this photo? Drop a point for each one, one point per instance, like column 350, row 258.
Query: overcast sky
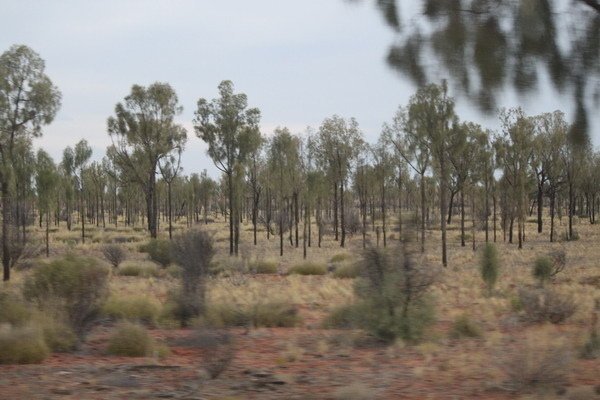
column 298, row 61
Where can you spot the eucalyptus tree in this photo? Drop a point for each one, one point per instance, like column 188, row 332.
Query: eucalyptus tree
column 283, row 159
column 170, row 167
column 46, row 180
column 28, row 101
column 338, row 145
column 24, row 169
column 411, row 145
column 81, row 156
column 460, row 156
column 362, row 179
column 514, row 150
column 230, row 129
column 144, row 132
column 255, row 164
column 382, row 174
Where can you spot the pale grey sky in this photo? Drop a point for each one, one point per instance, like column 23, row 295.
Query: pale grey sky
column 298, row 61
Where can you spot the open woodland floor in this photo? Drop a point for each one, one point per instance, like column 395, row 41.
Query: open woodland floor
column 310, row 362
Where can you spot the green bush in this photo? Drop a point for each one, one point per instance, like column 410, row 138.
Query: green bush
column 58, row 336
column 73, row 287
column 159, row 251
column 264, row 267
column 271, row 314
column 308, row 268
column 392, row 297
column 490, row 266
column 542, row 269
column 463, row 327
column 22, row 345
column 13, row 311
column 132, row 308
column 138, row 269
column 344, row 317
column 114, row 254
column 546, row 305
column 130, row 340
column 347, row 271
column 340, row 257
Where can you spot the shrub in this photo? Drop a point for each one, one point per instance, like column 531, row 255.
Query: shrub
column 264, row 267
column 13, row 311
column 114, row 254
column 343, row 317
column 159, row 251
column 392, row 296
column 541, row 305
column 22, row 345
column 58, row 336
column 218, row 350
column 74, row 286
column 538, row 364
column 138, row 269
column 132, row 308
column 130, row 340
column 490, row 266
column 347, row 271
column 340, row 257
column 463, row 326
column 270, row 314
column 193, row 252
column 308, row 268
column 542, row 269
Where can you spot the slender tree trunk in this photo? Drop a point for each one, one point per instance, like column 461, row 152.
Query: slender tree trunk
column 443, row 205
column 462, row 217
column 451, row 206
column 552, row 203
column 304, row 229
column 47, row 234
column 383, row 214
column 540, row 206
column 342, row 212
column 335, row 210
column 423, row 212
column 296, row 215
column 571, row 207
column 231, row 207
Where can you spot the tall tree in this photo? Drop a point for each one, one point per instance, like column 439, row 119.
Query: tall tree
column 28, row 101
column 230, row 129
column 144, row 132
column 46, row 180
column 339, row 143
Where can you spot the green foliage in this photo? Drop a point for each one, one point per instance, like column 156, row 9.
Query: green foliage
column 193, row 252
column 490, row 266
column 74, row 287
column 264, row 267
column 347, row 270
column 130, row 340
column 159, row 251
column 542, row 269
column 132, row 308
column 392, row 297
column 340, row 257
column 270, row 314
column 13, row 311
column 58, row 336
column 546, row 305
column 138, row 269
column 308, row 268
column 463, row 327
column 22, row 345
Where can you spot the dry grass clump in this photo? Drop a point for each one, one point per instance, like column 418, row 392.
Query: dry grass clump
column 347, row 271
column 22, row 345
column 132, row 340
column 543, row 362
column 464, row 327
column 354, row 391
column 541, row 305
column 218, row 350
column 308, row 268
column 114, row 254
column 269, row 314
column 264, row 267
column 138, row 268
column 132, row 308
column 340, row 257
